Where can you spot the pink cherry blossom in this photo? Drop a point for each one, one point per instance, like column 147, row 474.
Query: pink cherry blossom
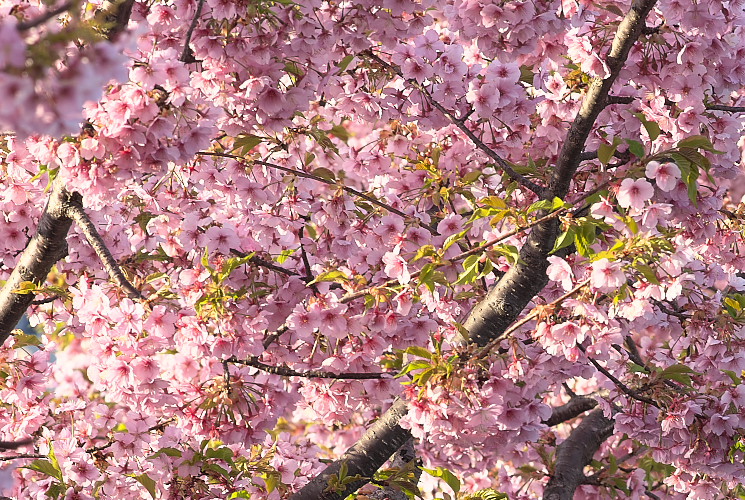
column 606, row 275
column 634, row 193
column 666, row 175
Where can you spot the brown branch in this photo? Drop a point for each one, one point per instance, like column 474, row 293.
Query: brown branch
column 722, row 107
column 77, row 213
column 187, row 55
column 575, row 453
column 365, row 457
column 285, row 371
column 42, row 252
column 620, row 385
column 539, row 190
column 477, row 249
column 21, row 456
column 575, row 407
column 32, row 23
column 115, row 16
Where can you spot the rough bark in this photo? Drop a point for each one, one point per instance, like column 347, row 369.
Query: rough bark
column 46, row 247
column 575, row 453
column 380, row 441
column 575, row 407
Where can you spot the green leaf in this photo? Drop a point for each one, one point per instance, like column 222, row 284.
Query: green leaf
column 223, row 453
column 647, row 272
column 284, row 255
column 147, row 482
column 605, row 153
column 735, row 379
column 418, row 351
column 344, row 63
column 45, row 467
column 25, row 340
column 340, row 132
column 426, row 276
column 446, row 476
column 470, row 270
column 335, row 276
column 425, row 251
column 471, row 177
column 651, row 127
column 636, row 148
column 564, row 240
column 324, row 173
column 494, row 202
column 678, row 373
column 454, row 238
column 244, row 143
column 698, row 142
column 540, row 205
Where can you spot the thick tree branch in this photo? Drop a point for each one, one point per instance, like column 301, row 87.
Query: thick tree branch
column 42, row 252
column 380, row 441
column 575, row 407
column 575, row 453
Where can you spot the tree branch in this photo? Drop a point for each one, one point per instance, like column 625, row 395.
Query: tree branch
column 504, row 303
column 32, row 23
column 575, row 407
column 308, row 175
column 460, row 123
column 575, row 453
column 187, row 55
column 42, row 252
column 722, row 107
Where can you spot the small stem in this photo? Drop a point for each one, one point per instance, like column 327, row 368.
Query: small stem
column 307, row 175
column 286, row 371
column 27, row 25
column 621, row 386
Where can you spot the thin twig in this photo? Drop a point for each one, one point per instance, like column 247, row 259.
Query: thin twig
column 264, row 263
column 539, row 190
column 23, row 455
column 27, row 25
column 77, row 213
column 477, row 249
column 45, row 300
column 187, row 55
column 285, row 371
column 722, row 107
column 306, row 262
column 484, row 351
column 308, row 175
column 621, row 386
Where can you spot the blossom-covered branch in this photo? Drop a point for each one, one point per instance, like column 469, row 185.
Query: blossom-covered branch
column 77, row 213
